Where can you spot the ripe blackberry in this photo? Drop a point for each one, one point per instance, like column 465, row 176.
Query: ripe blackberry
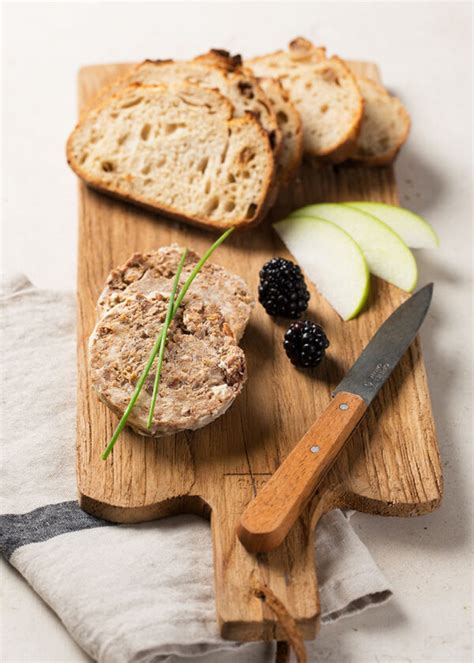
column 282, row 290
column 305, row 343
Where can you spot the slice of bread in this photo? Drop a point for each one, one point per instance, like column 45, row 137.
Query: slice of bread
column 291, row 128
column 385, row 125
column 324, row 91
column 213, row 70
column 179, row 151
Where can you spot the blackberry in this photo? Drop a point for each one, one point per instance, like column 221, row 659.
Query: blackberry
column 282, row 290
column 305, row 343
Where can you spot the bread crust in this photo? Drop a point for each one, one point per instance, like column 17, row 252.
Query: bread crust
column 221, row 58
column 262, row 203
column 304, row 50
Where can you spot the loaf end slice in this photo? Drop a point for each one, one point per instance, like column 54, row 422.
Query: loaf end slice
column 385, row 125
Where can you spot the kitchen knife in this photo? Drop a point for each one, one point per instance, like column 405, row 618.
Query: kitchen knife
column 269, row 516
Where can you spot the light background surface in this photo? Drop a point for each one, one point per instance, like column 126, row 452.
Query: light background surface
column 424, row 51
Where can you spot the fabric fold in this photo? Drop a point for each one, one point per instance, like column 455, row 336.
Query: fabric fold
column 126, row 593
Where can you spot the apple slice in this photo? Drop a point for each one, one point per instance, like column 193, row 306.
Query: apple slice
column 387, row 255
column 412, row 228
column 331, row 259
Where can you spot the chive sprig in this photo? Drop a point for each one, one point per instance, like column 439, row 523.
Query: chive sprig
column 164, row 336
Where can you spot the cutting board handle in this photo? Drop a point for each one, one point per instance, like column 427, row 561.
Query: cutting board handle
column 289, row 573
column 269, row 517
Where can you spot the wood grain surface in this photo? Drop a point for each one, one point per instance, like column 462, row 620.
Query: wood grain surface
column 390, row 466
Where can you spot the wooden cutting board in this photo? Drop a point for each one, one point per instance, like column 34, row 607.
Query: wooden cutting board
column 390, row 466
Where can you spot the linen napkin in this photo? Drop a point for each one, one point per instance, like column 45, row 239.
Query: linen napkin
column 126, row 593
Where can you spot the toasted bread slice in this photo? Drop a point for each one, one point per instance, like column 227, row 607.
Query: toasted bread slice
column 179, row 151
column 385, row 125
column 324, row 91
column 291, row 128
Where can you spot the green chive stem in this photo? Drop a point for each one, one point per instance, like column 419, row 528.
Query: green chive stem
column 156, row 347
column 199, row 265
column 170, row 313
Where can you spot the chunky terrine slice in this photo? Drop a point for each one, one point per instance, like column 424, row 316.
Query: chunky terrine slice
column 203, row 370
column 154, row 271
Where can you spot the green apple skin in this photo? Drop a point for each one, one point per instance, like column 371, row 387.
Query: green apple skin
column 412, row 228
column 331, row 260
column 387, row 255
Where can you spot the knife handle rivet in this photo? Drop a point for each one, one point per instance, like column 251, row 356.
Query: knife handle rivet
column 343, row 406
column 315, row 449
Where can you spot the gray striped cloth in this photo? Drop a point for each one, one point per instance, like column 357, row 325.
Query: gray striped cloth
column 126, row 593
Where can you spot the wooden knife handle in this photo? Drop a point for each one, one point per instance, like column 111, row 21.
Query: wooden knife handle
column 269, row 516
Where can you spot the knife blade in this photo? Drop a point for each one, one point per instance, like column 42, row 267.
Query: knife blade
column 270, row 515
column 387, row 347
